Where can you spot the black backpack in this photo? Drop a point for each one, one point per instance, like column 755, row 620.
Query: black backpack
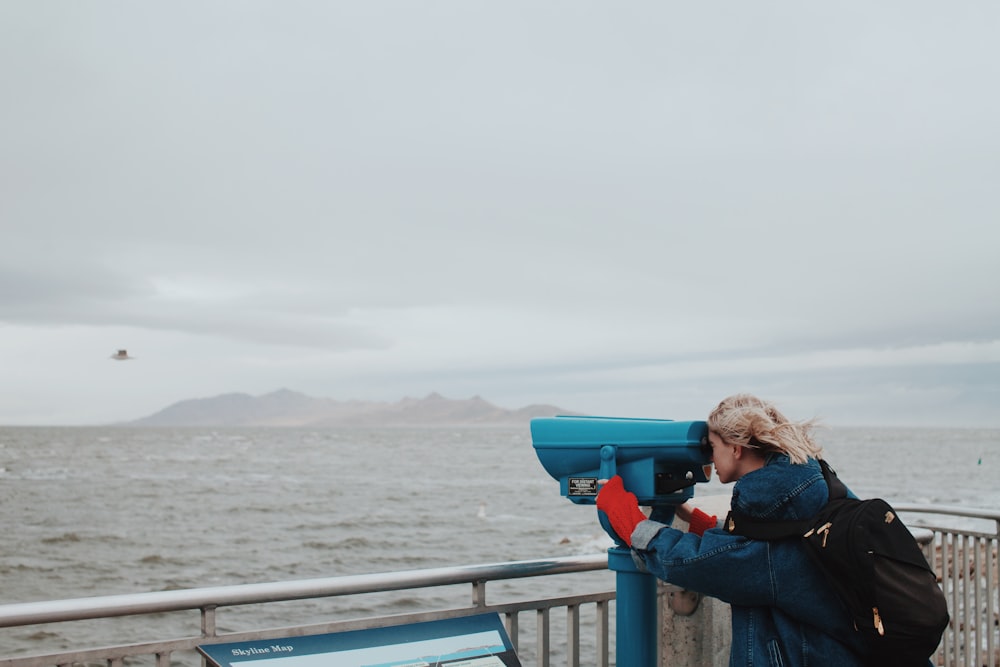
column 875, row 566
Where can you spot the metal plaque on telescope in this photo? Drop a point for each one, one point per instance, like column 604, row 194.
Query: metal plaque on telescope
column 582, row 486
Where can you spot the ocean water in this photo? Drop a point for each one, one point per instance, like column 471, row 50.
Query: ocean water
column 101, row 511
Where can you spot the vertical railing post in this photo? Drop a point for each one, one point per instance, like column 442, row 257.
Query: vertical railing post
column 991, row 610
column 479, row 593
column 948, row 559
column 963, row 573
column 572, row 635
column 512, row 628
column 542, row 638
column 208, row 621
column 603, row 635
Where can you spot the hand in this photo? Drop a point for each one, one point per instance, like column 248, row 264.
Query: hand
column 621, row 508
column 683, row 512
column 698, row 522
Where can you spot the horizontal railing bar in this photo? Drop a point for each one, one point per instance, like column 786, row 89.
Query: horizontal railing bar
column 955, row 510
column 55, row 611
column 190, row 643
column 945, row 530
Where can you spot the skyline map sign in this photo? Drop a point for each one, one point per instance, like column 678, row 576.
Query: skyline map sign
column 469, row 641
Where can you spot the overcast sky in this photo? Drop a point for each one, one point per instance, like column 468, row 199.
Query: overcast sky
column 623, row 209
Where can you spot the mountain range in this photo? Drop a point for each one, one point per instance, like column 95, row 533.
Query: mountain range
column 291, row 408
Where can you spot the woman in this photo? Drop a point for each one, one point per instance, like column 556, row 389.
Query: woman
column 783, row 610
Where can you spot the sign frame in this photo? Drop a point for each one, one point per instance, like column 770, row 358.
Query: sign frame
column 479, row 640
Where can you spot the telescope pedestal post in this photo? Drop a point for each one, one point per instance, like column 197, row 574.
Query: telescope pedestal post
column 636, row 635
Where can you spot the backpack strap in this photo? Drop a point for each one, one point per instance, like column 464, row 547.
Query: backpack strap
column 833, row 483
column 739, row 523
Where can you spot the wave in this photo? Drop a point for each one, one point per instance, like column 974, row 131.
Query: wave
column 65, row 538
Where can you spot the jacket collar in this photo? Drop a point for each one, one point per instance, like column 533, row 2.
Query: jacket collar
column 781, row 490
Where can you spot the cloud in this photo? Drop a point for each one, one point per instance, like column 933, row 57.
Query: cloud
column 560, row 203
column 104, row 298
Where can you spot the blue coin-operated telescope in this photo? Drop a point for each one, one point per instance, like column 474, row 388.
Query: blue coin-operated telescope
column 659, row 461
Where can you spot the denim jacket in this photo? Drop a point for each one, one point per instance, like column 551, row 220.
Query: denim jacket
column 783, row 610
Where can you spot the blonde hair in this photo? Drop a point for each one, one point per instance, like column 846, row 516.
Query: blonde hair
column 744, row 419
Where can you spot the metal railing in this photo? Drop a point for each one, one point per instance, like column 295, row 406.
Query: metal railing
column 966, row 561
column 208, row 602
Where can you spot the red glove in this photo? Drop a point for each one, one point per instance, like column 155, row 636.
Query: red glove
column 621, row 508
column 700, row 522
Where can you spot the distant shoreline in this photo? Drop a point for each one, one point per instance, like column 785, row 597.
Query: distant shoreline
column 290, row 409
